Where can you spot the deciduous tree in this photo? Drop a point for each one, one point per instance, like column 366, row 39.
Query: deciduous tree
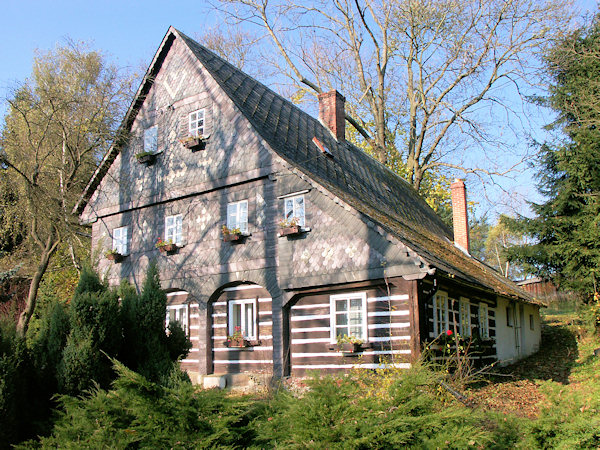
column 421, row 78
column 59, row 124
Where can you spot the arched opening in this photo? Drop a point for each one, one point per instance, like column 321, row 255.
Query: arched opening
column 241, row 330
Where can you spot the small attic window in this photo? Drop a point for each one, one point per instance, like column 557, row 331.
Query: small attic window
column 151, row 139
column 196, row 123
column 322, row 147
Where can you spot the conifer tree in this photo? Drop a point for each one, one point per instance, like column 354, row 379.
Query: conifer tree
column 566, row 229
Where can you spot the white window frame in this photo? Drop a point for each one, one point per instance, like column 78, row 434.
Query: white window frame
column 243, row 226
column 174, row 231
column 484, row 321
column 464, row 316
column 441, row 321
column 179, row 311
column 120, row 240
column 244, row 318
column 194, row 127
column 294, row 214
column 151, row 142
column 333, row 314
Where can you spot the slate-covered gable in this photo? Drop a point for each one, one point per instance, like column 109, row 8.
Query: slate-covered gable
column 351, row 174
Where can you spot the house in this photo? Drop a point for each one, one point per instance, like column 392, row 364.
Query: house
column 282, row 232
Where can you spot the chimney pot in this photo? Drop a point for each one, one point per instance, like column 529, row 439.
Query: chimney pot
column 460, row 218
column 332, row 113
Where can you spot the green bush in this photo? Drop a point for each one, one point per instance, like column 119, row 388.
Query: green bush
column 140, row 413
column 353, row 412
column 147, row 349
column 21, row 404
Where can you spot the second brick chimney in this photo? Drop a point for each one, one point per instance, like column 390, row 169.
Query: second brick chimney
column 459, row 214
column 332, row 113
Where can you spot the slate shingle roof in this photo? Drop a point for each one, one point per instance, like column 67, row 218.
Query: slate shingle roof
column 352, row 175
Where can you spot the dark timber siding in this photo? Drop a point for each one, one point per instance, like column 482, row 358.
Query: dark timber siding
column 388, row 334
column 255, row 359
column 487, row 352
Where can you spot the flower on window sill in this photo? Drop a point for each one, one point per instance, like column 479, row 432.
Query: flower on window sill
column 237, row 334
column 290, row 227
column 289, row 223
column 448, row 332
column 227, row 231
column 349, row 344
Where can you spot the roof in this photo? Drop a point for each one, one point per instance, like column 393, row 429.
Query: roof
column 349, row 173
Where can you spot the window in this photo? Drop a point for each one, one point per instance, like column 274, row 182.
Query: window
column 177, row 313
column 510, row 316
column 196, row 123
column 531, row 322
column 349, row 316
column 119, row 240
column 294, row 208
column 173, row 229
column 440, row 313
column 465, row 317
column 242, row 314
column 237, row 216
column 484, row 327
column 151, row 139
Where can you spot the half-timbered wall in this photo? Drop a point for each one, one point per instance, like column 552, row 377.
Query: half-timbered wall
column 388, row 340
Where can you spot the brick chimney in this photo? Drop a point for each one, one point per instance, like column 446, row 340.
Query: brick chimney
column 332, row 113
column 459, row 214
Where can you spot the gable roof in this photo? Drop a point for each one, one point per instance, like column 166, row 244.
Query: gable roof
column 349, row 173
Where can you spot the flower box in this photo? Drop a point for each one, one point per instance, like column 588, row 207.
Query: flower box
column 350, row 348
column 237, row 343
column 290, row 231
column 114, row 256
column 232, row 237
column 146, row 158
column 194, row 142
column 168, row 248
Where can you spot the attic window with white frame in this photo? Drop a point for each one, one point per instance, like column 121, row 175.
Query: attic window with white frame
column 177, row 313
column 196, row 123
column 174, row 229
column 242, row 318
column 151, row 139
column 294, row 209
column 120, row 241
column 348, row 316
column 440, row 313
column 237, row 216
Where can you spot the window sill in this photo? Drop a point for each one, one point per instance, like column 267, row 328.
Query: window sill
column 236, row 238
column 293, row 231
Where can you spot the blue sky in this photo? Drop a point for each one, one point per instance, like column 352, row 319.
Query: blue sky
column 129, row 32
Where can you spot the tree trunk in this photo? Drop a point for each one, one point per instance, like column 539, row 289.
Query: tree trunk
column 34, row 286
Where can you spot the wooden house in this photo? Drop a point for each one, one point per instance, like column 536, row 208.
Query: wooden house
column 282, row 246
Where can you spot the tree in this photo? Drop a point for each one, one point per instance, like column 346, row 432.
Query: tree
column 59, row 125
column 566, row 229
column 417, row 74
